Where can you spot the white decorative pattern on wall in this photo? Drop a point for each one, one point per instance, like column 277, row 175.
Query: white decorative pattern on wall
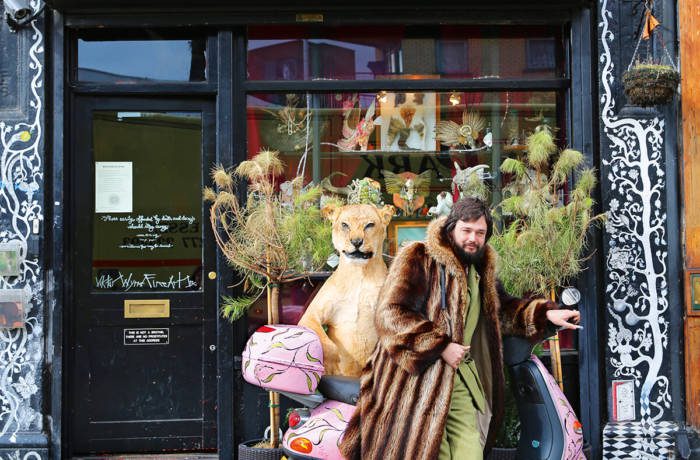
column 636, row 284
column 21, row 180
column 22, row 455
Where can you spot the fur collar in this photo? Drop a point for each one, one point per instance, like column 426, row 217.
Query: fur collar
column 441, row 251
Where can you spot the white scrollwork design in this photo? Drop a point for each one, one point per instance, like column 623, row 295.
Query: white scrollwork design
column 21, row 177
column 18, row 455
column 637, row 289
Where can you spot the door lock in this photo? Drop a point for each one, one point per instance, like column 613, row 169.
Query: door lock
column 212, row 275
column 212, row 347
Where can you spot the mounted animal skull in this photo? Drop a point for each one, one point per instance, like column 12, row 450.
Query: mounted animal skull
column 470, row 181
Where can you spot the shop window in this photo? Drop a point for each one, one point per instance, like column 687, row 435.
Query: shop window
column 425, row 136
column 394, row 134
column 156, row 58
column 355, row 53
column 345, row 136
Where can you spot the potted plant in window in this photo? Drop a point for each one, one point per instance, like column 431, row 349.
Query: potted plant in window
column 271, row 238
column 541, row 237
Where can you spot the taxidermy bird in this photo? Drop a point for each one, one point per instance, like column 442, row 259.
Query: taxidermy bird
column 400, row 127
column 444, row 205
column 470, row 181
column 538, row 118
column 455, row 135
column 356, row 130
column 409, row 189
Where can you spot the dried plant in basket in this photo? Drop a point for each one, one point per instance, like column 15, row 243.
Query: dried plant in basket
column 648, row 84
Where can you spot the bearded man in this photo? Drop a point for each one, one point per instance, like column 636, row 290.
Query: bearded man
column 433, row 388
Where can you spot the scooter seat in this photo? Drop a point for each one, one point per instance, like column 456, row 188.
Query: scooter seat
column 339, row 388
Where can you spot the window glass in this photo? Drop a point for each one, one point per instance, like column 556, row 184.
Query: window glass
column 141, row 61
column 147, row 226
column 424, row 135
column 375, row 53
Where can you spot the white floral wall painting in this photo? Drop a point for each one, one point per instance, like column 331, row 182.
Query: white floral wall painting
column 636, row 284
column 21, row 180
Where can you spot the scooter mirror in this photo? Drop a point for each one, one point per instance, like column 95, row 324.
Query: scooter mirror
column 570, row 296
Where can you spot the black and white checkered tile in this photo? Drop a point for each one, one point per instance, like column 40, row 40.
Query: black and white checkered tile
column 639, row 440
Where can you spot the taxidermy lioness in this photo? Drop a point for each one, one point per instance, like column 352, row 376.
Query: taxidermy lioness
column 345, row 303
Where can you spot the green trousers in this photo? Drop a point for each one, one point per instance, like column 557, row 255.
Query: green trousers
column 462, row 438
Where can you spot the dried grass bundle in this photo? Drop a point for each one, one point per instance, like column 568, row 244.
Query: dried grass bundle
column 264, row 238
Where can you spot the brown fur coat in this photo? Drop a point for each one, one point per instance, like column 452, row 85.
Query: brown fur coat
column 406, row 386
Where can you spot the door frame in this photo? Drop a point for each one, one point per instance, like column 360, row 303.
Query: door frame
column 81, row 147
column 223, row 74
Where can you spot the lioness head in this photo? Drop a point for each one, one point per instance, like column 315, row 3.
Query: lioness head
column 359, row 230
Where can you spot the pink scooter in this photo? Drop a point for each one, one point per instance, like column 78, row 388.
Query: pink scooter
column 289, row 359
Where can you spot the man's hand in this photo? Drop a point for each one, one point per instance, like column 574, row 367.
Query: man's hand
column 567, row 319
column 453, row 354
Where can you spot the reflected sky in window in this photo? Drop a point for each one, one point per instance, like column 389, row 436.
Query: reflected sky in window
column 140, row 60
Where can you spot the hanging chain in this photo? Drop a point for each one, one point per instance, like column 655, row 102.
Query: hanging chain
column 668, row 55
column 648, row 5
column 648, row 10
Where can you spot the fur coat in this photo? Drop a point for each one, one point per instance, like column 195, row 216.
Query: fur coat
column 406, row 387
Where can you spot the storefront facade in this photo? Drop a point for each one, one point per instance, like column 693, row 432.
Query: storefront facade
column 113, row 115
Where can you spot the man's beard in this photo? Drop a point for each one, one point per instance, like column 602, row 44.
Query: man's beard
column 469, row 258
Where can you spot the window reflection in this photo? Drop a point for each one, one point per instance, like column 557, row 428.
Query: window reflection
column 357, row 53
column 141, row 61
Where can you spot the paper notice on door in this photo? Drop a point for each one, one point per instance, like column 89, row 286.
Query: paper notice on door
column 113, row 186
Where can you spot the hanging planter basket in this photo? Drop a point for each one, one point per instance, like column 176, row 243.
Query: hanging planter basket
column 650, row 84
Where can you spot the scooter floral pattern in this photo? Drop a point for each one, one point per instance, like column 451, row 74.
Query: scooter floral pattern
column 324, row 429
column 573, row 439
column 292, row 353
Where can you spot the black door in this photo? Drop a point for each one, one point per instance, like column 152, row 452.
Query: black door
column 141, row 332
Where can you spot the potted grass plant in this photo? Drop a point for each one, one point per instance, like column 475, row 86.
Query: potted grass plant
column 542, row 238
column 542, row 230
column 269, row 238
